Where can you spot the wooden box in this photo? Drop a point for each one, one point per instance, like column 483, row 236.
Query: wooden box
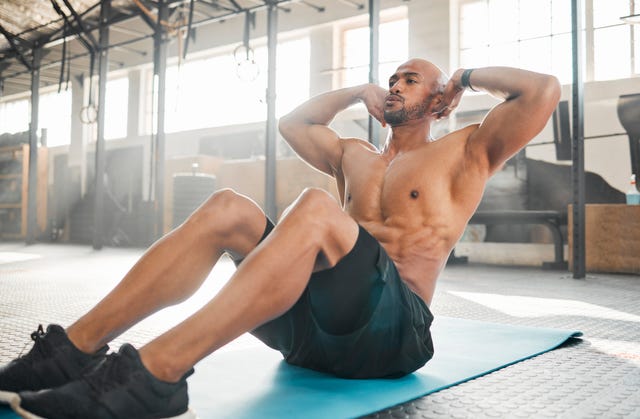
column 14, row 191
column 612, row 238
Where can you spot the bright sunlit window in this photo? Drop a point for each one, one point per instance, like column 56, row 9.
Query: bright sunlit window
column 536, row 35
column 292, row 74
column 14, row 116
column 531, row 34
column 611, row 40
column 393, row 51
column 116, row 108
column 54, row 114
column 636, row 43
column 208, row 92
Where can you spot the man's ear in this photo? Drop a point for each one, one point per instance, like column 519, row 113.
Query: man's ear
column 436, row 100
column 437, row 104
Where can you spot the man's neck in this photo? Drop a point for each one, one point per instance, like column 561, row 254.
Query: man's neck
column 407, row 137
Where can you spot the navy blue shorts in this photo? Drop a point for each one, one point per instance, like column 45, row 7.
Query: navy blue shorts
column 386, row 336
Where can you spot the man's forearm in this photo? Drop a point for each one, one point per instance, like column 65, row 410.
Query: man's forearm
column 321, row 109
column 506, row 82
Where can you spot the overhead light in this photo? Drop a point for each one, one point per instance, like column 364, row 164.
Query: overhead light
column 631, row 19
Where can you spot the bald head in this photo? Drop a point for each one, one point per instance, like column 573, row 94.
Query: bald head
column 431, row 73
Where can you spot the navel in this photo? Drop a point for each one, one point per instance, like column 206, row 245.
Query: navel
column 415, row 194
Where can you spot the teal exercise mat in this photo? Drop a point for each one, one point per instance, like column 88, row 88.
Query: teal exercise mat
column 255, row 383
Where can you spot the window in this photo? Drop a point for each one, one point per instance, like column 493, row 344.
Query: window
column 292, row 74
column 208, row 93
column 611, row 40
column 531, row 34
column 54, row 114
column 536, row 35
column 116, row 108
column 636, row 43
column 393, row 51
column 14, row 116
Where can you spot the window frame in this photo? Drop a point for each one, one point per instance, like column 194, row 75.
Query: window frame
column 148, row 111
column 386, row 16
column 589, row 36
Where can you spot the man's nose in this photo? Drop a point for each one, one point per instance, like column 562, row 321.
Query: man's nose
column 396, row 87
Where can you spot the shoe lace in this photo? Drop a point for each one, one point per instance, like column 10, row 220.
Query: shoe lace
column 113, row 371
column 38, row 347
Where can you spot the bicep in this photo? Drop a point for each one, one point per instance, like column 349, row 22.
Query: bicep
column 507, row 128
column 318, row 145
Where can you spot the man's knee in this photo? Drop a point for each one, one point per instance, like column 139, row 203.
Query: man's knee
column 318, row 203
column 319, row 212
column 222, row 209
column 326, row 224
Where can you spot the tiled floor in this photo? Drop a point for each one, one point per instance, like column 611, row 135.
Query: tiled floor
column 596, row 377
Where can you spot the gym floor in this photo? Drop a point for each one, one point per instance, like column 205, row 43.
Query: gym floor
column 597, row 376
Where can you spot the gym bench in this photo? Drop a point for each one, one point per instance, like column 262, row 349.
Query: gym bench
column 553, row 220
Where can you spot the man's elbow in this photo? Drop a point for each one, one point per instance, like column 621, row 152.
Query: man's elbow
column 542, row 94
column 550, row 90
column 285, row 126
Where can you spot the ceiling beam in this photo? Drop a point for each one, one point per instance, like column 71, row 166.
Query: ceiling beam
column 78, row 21
column 319, row 9
column 217, row 6
column 14, row 46
column 56, row 38
column 78, row 33
column 353, row 3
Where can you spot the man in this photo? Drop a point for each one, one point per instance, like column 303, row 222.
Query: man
column 337, row 287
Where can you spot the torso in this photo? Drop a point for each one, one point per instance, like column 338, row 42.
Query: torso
column 416, row 204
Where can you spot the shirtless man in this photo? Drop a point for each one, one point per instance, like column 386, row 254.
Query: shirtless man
column 338, row 287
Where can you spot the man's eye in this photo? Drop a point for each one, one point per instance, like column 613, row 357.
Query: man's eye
column 411, row 81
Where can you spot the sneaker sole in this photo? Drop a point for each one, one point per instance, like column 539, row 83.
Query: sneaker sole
column 13, row 400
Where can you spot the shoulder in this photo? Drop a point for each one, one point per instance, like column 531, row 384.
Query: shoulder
column 357, row 144
column 459, row 137
column 463, row 134
column 462, row 149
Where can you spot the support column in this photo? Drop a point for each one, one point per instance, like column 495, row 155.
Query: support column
column 160, row 41
column 270, row 151
column 374, row 63
column 103, row 51
column 577, row 169
column 32, row 205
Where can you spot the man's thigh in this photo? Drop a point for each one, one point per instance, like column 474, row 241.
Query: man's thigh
column 342, row 298
column 338, row 300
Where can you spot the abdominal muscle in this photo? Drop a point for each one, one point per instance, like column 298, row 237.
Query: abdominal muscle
column 418, row 254
column 410, row 203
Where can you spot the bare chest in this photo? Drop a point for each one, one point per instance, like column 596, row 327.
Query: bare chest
column 379, row 190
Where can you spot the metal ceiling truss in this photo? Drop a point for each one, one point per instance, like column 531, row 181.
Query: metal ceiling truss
column 15, row 46
column 78, row 26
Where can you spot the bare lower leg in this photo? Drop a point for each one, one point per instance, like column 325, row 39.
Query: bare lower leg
column 169, row 272
column 269, row 282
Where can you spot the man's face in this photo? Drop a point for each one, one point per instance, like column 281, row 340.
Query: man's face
column 409, row 95
column 397, row 111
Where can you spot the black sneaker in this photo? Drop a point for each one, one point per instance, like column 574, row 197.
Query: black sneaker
column 52, row 361
column 119, row 388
